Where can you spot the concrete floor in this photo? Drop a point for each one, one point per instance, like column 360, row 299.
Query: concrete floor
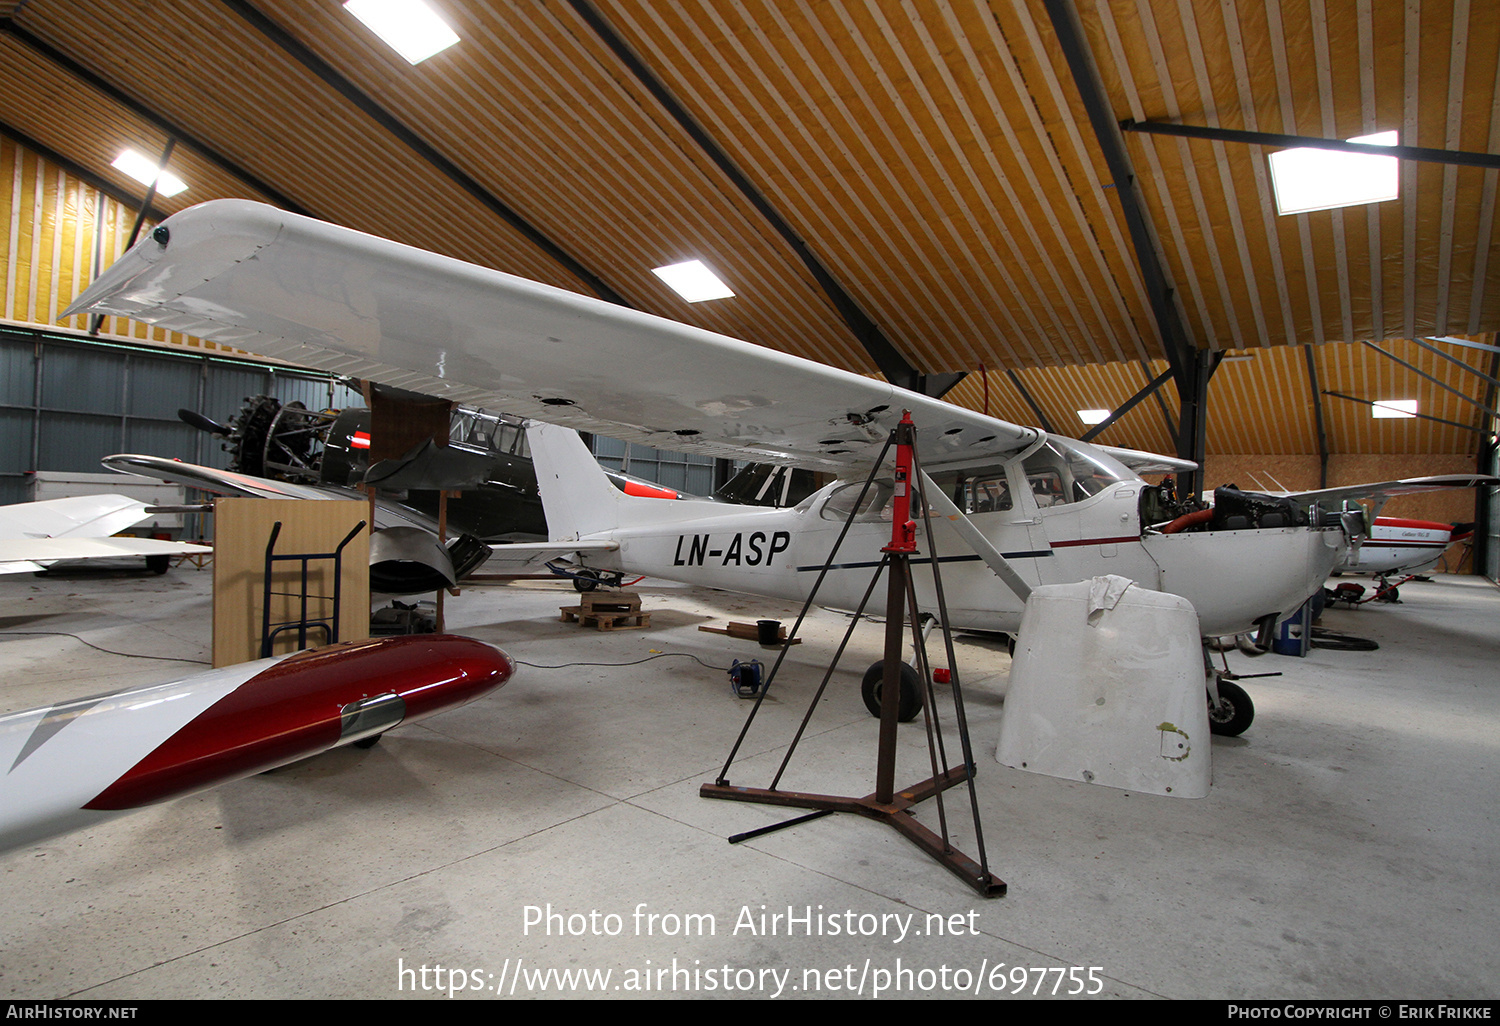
column 1347, row 849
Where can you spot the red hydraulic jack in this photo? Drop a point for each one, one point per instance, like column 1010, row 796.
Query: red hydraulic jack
column 886, row 805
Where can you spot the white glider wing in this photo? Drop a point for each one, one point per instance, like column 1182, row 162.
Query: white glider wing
column 33, row 534
column 303, row 290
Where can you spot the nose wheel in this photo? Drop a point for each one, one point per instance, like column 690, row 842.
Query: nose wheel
column 1232, row 716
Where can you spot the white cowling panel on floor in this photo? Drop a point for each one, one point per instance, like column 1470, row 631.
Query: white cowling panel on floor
column 1107, row 686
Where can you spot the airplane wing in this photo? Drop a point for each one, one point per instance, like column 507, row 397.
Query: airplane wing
column 35, row 533
column 1383, row 490
column 219, row 482
column 287, row 286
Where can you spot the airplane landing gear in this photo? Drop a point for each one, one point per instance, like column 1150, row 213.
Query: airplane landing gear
column 1234, row 712
column 911, row 690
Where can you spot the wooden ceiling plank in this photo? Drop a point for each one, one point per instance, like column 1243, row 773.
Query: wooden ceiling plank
column 1189, row 176
column 955, row 274
column 999, row 176
column 1066, row 245
column 1083, row 162
column 1188, row 280
column 1451, row 139
column 803, row 329
column 1264, row 194
column 1233, row 203
column 1412, row 77
column 898, row 308
column 936, row 118
column 1329, row 113
column 1369, row 125
column 894, row 364
column 1280, row 63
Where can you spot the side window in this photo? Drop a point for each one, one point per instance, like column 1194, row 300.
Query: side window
column 976, row 489
column 1048, row 479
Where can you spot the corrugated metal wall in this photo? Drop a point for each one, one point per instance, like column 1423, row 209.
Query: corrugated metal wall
column 67, row 401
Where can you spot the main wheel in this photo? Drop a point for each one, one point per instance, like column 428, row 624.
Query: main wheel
column 586, row 580
column 1234, row 713
column 911, row 691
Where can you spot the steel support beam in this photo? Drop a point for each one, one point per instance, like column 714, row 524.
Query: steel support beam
column 1041, row 418
column 1192, row 428
column 1422, row 153
column 1127, row 406
column 1074, row 44
column 1453, row 359
column 895, row 366
column 1423, row 374
column 421, row 147
column 1166, row 414
column 1419, row 416
column 1317, row 398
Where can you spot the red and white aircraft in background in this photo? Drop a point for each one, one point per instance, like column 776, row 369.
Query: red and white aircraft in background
column 1396, row 544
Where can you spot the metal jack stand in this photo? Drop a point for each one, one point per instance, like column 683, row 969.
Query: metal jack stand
column 886, row 805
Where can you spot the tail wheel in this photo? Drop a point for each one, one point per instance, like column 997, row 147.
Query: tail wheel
column 1235, row 711
column 911, row 691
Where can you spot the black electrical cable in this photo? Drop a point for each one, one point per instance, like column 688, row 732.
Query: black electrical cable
column 90, row 644
column 635, row 662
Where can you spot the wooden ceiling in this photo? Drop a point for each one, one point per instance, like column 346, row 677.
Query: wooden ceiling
column 934, row 157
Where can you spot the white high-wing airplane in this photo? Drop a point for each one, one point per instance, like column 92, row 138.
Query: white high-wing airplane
column 1032, row 507
column 35, row 534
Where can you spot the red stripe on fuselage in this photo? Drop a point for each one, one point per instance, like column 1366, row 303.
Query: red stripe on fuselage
column 1096, row 541
column 293, row 710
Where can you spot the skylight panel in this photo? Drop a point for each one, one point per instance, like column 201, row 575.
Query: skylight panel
column 1307, row 179
column 1093, row 416
column 410, row 27
column 144, row 170
column 693, row 281
column 1392, row 408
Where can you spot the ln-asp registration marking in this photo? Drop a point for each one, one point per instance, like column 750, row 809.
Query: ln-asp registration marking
column 741, row 551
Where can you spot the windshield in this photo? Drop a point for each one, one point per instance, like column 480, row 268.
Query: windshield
column 1063, row 471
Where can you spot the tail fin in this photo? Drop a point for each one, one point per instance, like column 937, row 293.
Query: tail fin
column 577, row 497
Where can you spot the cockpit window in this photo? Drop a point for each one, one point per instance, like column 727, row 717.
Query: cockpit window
column 1060, row 473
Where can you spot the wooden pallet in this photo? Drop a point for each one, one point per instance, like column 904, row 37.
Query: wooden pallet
column 605, row 621
column 608, row 611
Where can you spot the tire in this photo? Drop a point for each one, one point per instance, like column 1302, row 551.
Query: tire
column 1235, row 714
column 158, row 564
column 911, row 691
column 369, row 742
column 586, row 580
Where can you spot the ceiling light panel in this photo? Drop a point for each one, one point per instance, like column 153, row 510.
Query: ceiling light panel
column 144, row 170
column 693, row 281
column 410, row 27
column 1393, row 408
column 1093, row 416
column 1307, row 179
